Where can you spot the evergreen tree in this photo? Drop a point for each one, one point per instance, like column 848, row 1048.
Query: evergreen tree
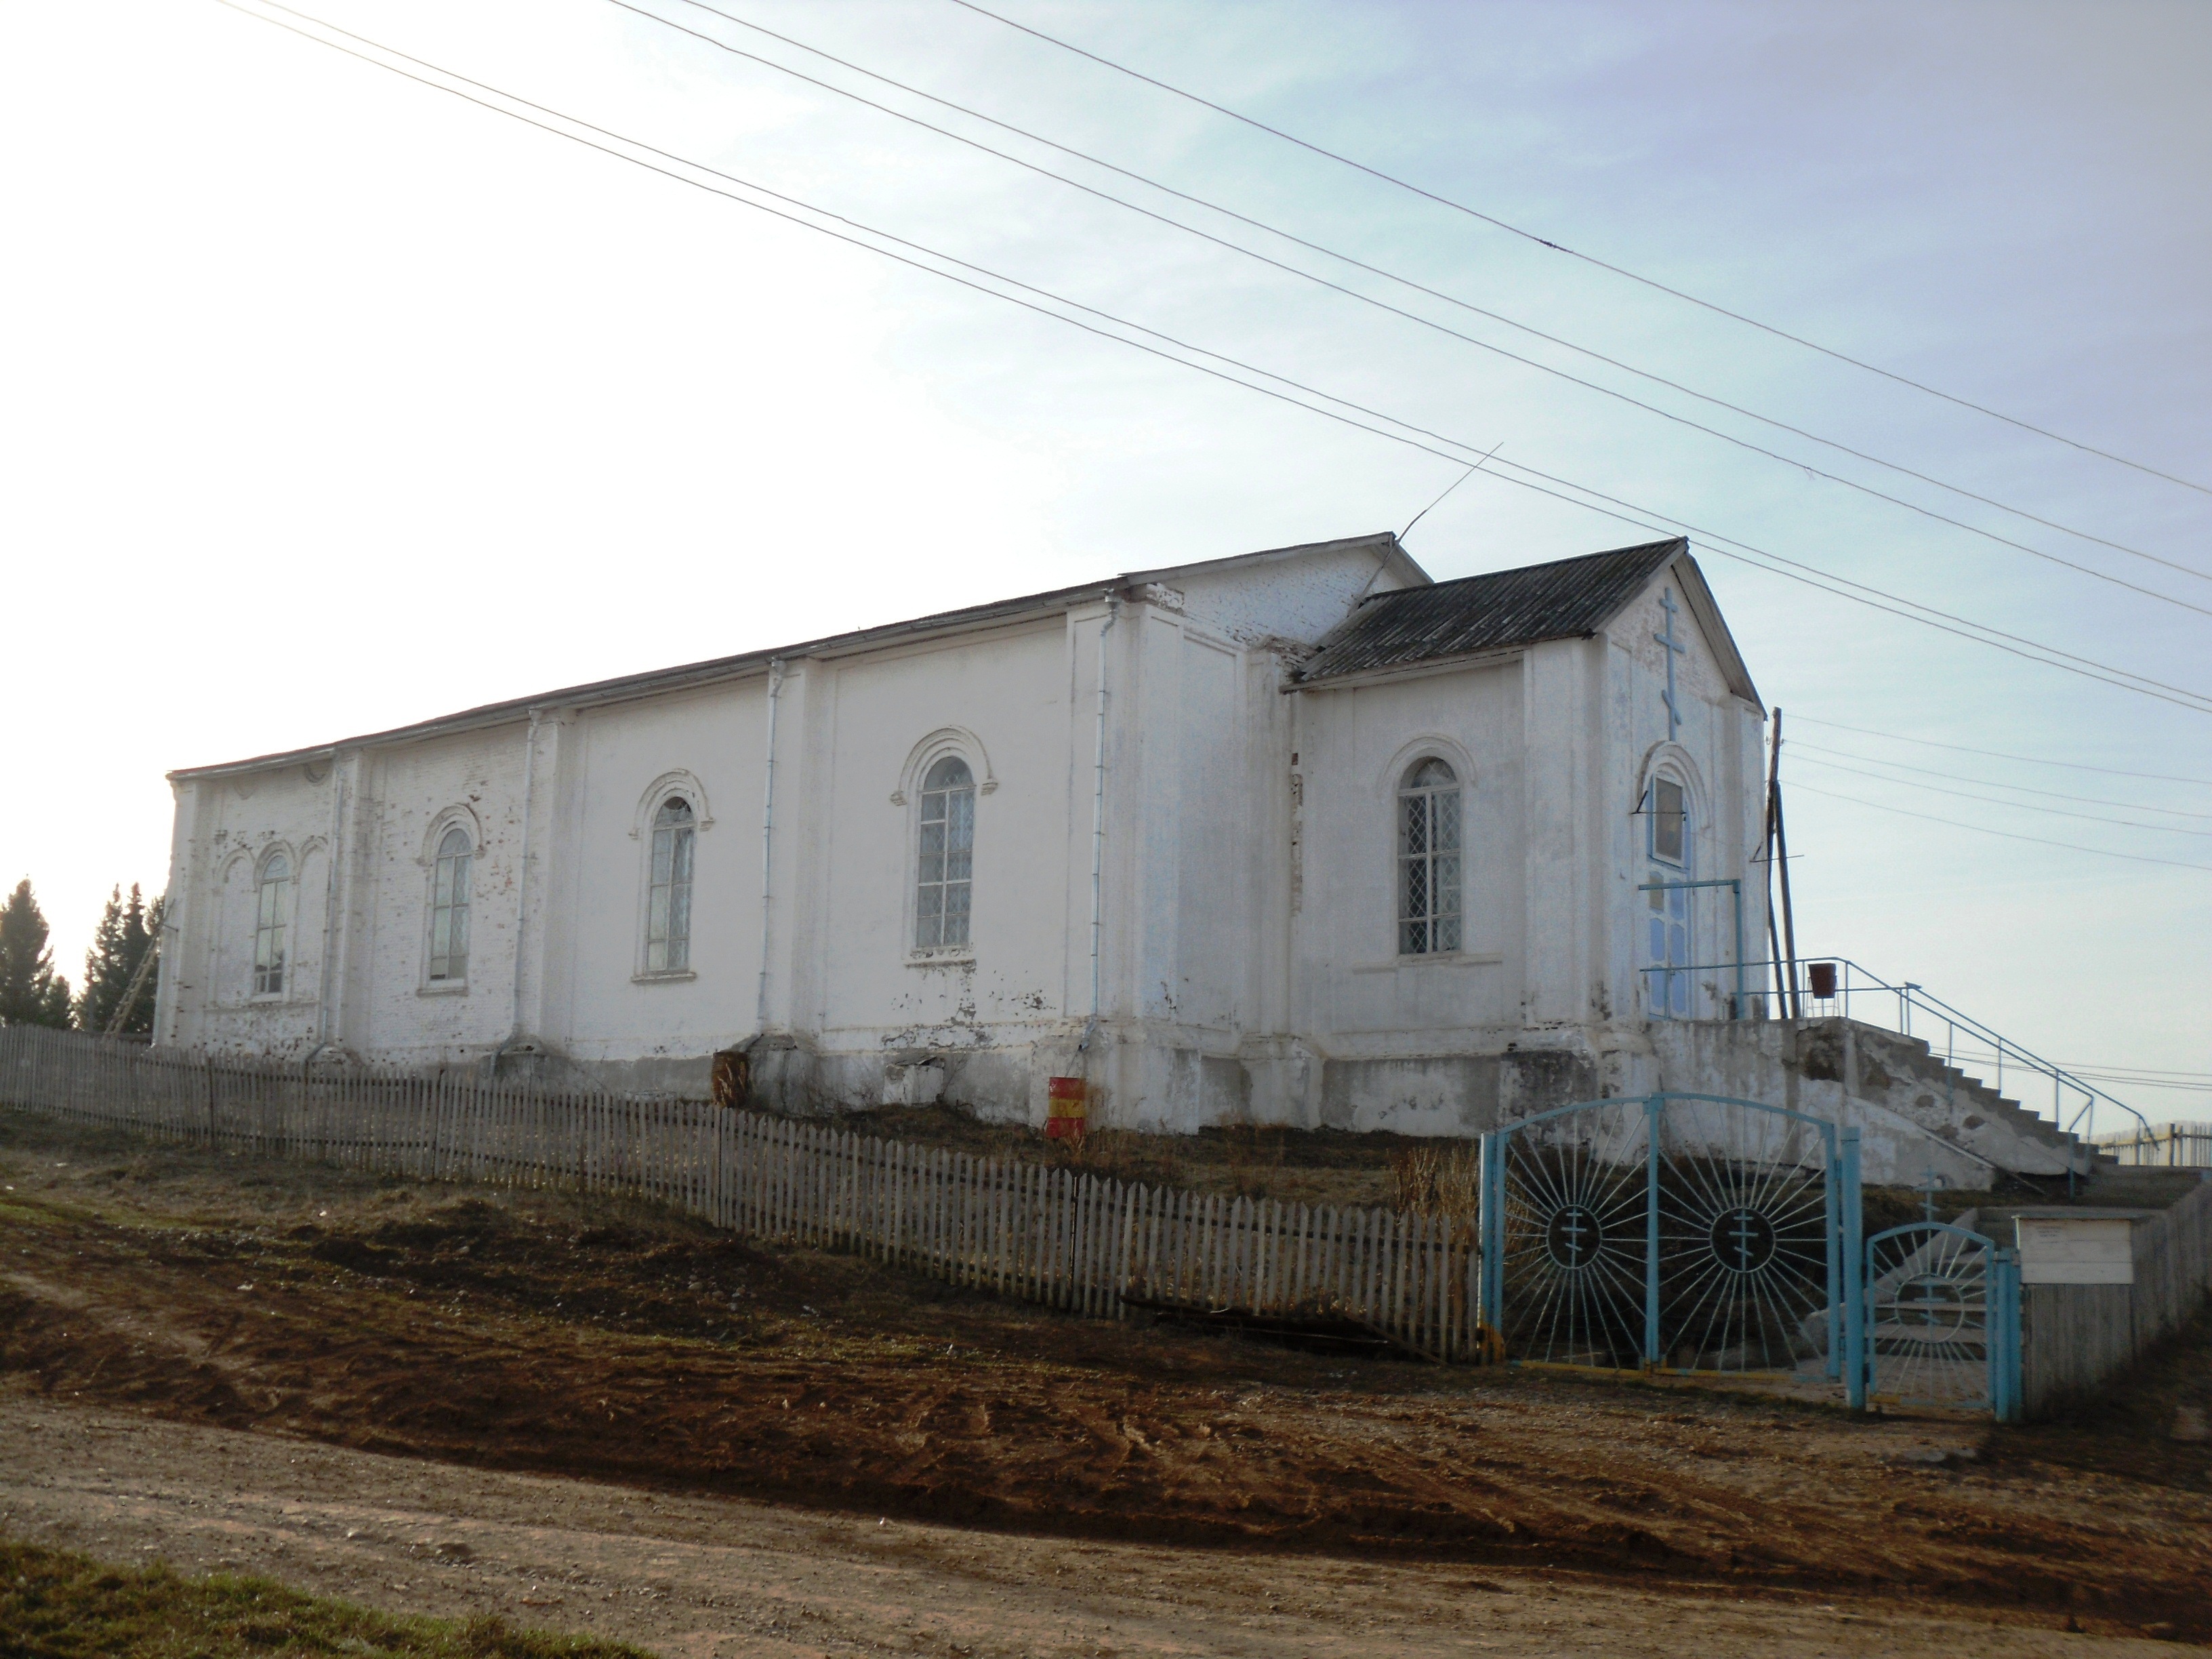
column 30, row 992
column 128, row 930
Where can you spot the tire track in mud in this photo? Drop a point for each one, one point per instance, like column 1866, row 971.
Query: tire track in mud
column 533, row 1335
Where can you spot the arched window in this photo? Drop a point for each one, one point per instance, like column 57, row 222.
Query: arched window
column 272, row 912
column 668, row 904
column 1667, row 919
column 946, row 869
column 449, row 909
column 1428, row 859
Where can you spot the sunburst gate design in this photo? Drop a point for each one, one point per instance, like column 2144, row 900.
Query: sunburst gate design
column 1575, row 1237
column 1716, row 1249
column 1745, row 1217
column 1928, row 1308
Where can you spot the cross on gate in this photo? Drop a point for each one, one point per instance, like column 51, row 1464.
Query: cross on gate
column 1746, row 1230
column 1929, row 1187
column 1675, row 648
column 1573, row 1226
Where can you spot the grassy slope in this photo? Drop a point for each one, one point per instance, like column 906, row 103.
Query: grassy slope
column 56, row 1604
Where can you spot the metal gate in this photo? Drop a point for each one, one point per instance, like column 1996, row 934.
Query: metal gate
column 1684, row 1232
column 1943, row 1320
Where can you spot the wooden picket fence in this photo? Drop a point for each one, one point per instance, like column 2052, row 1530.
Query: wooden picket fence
column 1053, row 1235
column 2165, row 1147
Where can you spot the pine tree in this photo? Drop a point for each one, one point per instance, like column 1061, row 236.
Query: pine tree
column 30, row 992
column 127, row 931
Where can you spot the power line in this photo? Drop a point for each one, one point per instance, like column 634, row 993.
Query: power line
column 1573, row 253
column 1982, row 829
column 1826, row 582
column 1992, row 783
column 1480, row 344
column 1352, row 261
column 1999, row 754
column 2015, row 805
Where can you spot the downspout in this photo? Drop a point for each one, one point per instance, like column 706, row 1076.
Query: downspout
column 1098, row 820
column 767, row 843
column 521, row 883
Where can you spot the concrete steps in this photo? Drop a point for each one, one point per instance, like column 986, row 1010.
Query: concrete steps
column 1965, row 1102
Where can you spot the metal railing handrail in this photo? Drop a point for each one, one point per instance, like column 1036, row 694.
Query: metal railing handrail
column 1911, row 995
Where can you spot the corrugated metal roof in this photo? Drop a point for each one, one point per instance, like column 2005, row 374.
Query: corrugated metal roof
column 1565, row 599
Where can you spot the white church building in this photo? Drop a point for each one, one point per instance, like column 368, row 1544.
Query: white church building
column 1300, row 837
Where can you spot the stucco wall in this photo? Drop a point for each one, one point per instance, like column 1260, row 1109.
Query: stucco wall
column 1247, row 965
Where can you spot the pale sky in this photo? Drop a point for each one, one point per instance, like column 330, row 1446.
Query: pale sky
column 329, row 402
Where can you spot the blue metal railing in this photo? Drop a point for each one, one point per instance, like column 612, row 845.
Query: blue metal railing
column 2074, row 1102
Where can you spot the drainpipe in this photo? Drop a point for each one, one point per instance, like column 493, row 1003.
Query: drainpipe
column 768, row 842
column 1099, row 820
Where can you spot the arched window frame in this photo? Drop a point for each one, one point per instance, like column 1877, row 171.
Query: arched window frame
column 457, row 817
column 964, row 744
column 1429, row 864
column 672, row 851
column 274, row 878
column 943, row 887
column 652, row 965
column 1666, row 922
column 452, row 869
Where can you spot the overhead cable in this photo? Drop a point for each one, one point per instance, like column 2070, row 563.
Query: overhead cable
column 1574, row 253
column 1813, row 576
column 1982, row 829
column 1480, row 344
column 2015, row 805
column 2000, row 754
column 1352, row 260
column 1800, row 745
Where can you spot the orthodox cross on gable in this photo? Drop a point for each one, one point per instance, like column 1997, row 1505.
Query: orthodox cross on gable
column 1675, row 648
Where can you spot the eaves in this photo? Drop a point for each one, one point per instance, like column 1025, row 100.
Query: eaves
column 1497, row 656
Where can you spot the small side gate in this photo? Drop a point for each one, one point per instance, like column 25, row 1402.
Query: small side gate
column 1943, row 1320
column 1684, row 1232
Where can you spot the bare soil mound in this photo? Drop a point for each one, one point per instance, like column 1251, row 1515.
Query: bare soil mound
column 534, row 1331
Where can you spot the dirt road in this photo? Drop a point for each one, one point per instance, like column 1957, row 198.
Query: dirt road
column 716, row 1578
column 532, row 1333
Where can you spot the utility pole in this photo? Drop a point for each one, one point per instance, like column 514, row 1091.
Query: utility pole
column 1782, row 863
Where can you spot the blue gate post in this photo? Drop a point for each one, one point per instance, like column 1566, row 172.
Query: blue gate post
column 1653, row 1107
column 2004, row 1335
column 1831, row 1218
column 1492, row 1227
column 1854, row 1243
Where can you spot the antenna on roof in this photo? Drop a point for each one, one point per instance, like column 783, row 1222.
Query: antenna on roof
column 1454, row 484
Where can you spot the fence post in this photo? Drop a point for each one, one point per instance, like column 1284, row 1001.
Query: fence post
column 2004, row 1335
column 1489, row 1248
column 1653, row 1108
column 1854, row 1243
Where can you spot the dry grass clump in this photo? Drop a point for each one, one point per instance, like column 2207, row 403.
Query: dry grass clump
column 1439, row 1180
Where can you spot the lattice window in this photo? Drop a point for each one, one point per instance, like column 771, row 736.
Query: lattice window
column 449, row 908
column 271, row 918
column 945, row 870
column 668, row 903
column 1429, row 860
column 1669, row 922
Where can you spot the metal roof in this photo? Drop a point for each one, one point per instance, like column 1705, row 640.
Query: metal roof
column 1381, row 543
column 1567, row 598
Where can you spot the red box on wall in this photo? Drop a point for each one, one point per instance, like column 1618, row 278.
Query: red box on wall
column 1067, row 1107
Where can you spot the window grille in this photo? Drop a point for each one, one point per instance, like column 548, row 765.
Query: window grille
column 449, row 909
column 1429, row 860
column 946, row 868
column 668, row 905
column 272, row 911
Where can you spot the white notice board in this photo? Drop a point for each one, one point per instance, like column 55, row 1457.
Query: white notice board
column 2076, row 1250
